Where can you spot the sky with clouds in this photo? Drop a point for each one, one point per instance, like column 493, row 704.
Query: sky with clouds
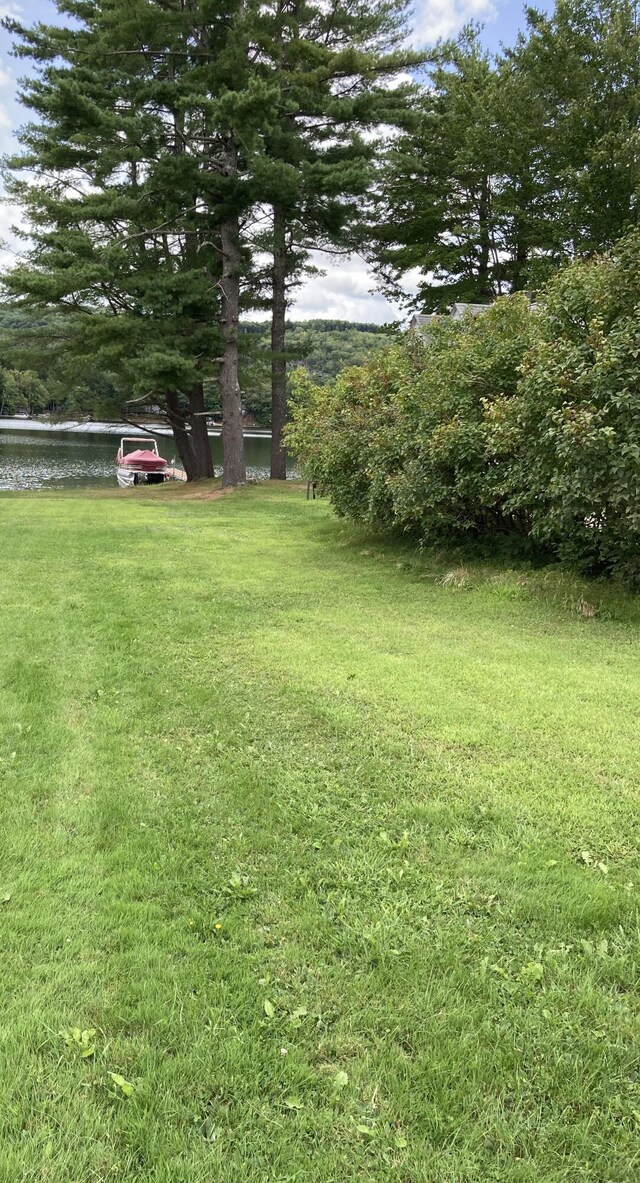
column 345, row 290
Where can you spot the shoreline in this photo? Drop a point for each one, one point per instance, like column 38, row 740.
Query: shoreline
column 80, row 427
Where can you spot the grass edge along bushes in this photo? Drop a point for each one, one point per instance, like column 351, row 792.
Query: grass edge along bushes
column 519, row 422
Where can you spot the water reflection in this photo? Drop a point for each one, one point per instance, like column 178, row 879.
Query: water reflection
column 66, row 459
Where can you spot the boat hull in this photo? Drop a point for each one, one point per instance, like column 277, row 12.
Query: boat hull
column 128, row 477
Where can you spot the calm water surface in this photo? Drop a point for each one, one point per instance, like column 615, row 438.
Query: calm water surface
column 65, row 459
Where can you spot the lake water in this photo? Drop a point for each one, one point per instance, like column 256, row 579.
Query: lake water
column 52, row 459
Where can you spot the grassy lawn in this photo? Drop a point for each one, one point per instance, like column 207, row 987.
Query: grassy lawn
column 333, row 860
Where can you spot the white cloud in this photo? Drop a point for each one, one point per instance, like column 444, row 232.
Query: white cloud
column 344, row 291
column 433, row 19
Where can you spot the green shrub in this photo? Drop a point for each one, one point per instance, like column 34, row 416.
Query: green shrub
column 331, row 433
column 416, row 440
column 577, row 415
column 450, row 470
column 515, row 422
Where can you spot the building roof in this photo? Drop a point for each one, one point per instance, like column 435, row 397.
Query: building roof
column 457, row 311
column 422, row 320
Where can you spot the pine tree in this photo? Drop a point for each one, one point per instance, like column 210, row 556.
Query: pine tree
column 107, row 249
column 584, row 61
column 434, row 209
column 334, row 67
column 149, row 124
column 514, row 164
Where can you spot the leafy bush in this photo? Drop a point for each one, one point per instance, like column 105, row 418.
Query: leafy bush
column 515, row 421
column 418, row 439
column 332, row 430
column 577, row 416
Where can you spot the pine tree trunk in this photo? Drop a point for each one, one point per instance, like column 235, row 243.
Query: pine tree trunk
column 182, row 438
column 484, row 283
column 199, row 434
column 520, row 259
column 278, row 340
column 233, row 465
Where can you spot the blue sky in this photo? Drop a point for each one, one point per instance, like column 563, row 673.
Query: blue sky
column 345, row 289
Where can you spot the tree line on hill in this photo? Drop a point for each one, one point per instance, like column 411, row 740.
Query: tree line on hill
column 185, row 157
column 323, row 347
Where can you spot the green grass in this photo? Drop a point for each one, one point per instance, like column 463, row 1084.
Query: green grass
column 336, row 856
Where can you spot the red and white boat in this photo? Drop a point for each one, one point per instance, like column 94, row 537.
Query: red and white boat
column 143, row 465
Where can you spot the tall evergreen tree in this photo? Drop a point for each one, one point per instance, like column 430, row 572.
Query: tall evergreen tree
column 335, row 69
column 149, row 123
column 514, row 164
column 435, row 199
column 583, row 60
column 523, row 204
column 459, row 196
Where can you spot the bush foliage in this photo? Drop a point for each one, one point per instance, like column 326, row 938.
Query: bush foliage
column 577, row 415
column 414, row 440
column 514, row 422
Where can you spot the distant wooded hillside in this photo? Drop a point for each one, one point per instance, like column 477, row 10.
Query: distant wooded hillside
column 36, row 376
column 323, row 347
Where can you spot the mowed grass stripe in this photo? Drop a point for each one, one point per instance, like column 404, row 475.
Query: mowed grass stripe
column 338, row 861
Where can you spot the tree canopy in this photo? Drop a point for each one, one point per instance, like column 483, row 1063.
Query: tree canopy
column 511, row 165
column 161, row 132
